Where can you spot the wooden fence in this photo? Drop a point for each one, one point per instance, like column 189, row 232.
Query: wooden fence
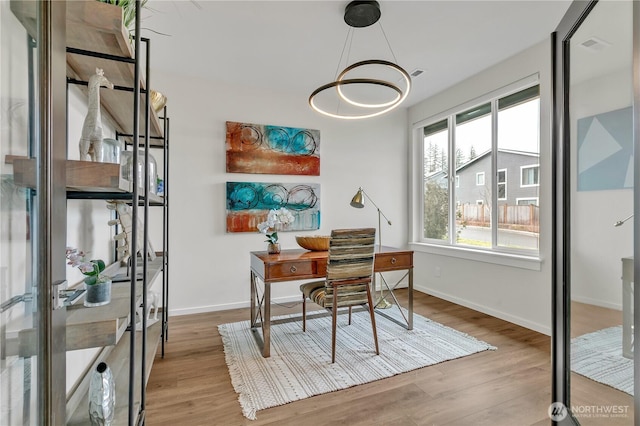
column 522, row 218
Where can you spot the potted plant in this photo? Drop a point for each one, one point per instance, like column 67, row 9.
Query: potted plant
column 282, row 217
column 97, row 285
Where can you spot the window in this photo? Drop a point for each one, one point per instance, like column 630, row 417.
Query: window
column 486, row 142
column 526, row 201
column 502, row 184
column 435, row 204
column 529, row 175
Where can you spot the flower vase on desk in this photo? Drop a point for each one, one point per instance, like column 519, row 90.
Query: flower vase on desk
column 102, row 396
column 273, row 248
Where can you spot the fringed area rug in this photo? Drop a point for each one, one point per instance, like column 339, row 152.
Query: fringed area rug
column 300, row 363
column 598, row 356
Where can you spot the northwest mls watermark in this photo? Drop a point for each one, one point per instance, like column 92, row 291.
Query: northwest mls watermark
column 558, row 411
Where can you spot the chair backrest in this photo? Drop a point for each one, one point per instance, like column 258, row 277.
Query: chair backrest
column 350, row 265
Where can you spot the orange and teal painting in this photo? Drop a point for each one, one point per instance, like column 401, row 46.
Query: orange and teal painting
column 249, row 203
column 278, row 150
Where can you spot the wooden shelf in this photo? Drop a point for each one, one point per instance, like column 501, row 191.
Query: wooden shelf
column 83, row 177
column 96, row 326
column 118, row 362
column 97, row 27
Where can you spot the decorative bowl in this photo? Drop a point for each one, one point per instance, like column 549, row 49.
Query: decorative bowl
column 313, row 242
column 158, row 100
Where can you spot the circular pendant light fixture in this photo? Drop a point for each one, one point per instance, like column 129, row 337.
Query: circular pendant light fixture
column 360, row 14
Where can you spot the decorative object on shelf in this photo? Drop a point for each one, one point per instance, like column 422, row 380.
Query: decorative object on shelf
column 160, row 186
column 249, row 203
column 153, row 302
column 313, row 242
column 278, row 150
column 276, row 219
column 111, row 149
column 97, row 285
column 357, row 97
column 126, row 160
column 358, row 202
column 91, row 136
column 125, row 237
column 102, row 396
column 158, row 100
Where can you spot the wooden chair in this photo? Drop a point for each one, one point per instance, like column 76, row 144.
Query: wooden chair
column 349, row 275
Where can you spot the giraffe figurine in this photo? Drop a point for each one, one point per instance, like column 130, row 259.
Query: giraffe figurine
column 91, row 137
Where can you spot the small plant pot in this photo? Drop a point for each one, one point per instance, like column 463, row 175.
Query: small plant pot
column 273, row 248
column 97, row 294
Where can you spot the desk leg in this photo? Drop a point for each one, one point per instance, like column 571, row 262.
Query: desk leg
column 260, row 318
column 266, row 323
column 410, row 299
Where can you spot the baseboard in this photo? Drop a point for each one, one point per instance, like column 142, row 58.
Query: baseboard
column 228, row 306
column 596, row 302
column 540, row 328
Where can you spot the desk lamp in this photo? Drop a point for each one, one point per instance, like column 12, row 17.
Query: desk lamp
column 358, row 202
column 618, row 223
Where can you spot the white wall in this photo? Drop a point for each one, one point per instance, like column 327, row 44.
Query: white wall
column 209, row 268
column 598, row 246
column 518, row 295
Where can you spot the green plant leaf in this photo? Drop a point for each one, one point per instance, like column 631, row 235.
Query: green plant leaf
column 91, row 280
column 100, row 264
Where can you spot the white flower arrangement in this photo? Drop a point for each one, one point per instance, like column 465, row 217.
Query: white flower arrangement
column 281, row 216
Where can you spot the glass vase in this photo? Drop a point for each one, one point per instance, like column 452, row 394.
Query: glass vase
column 97, row 294
column 273, row 248
column 102, row 396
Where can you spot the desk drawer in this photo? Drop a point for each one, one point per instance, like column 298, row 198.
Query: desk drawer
column 292, row 269
column 393, row 261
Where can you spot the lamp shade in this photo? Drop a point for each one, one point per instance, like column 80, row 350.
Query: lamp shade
column 358, row 200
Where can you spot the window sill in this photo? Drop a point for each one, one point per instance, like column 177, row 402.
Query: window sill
column 506, row 259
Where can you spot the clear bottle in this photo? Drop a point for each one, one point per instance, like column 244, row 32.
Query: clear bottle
column 126, row 161
column 111, row 149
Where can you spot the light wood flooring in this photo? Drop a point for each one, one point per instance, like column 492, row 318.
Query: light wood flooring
column 510, row 386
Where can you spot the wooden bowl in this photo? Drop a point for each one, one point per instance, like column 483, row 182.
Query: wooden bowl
column 313, row 242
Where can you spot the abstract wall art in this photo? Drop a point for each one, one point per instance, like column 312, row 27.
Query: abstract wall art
column 248, row 204
column 605, row 151
column 266, row 149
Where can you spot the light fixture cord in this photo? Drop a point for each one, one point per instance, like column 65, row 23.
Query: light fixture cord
column 388, row 44
column 344, row 48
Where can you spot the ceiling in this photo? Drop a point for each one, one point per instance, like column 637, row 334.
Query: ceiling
column 295, row 46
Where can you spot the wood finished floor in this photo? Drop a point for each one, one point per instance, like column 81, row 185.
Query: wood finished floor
column 510, row 386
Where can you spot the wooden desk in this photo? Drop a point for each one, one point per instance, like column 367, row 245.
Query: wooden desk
column 299, row 264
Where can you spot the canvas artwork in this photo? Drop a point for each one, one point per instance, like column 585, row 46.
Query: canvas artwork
column 266, row 149
column 248, row 204
column 605, row 151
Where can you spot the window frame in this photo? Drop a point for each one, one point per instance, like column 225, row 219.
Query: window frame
column 525, row 258
column 498, row 183
column 529, row 166
column 537, row 200
column 478, row 176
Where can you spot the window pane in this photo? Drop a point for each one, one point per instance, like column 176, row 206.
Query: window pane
column 473, row 169
column 519, row 155
column 436, row 181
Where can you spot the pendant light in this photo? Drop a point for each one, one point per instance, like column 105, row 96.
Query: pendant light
column 354, row 95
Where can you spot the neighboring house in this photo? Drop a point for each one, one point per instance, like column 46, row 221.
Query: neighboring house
column 518, row 179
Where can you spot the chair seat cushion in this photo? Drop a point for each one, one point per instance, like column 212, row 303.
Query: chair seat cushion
column 315, row 291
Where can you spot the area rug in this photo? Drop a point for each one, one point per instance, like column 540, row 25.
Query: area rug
column 300, row 363
column 598, row 356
